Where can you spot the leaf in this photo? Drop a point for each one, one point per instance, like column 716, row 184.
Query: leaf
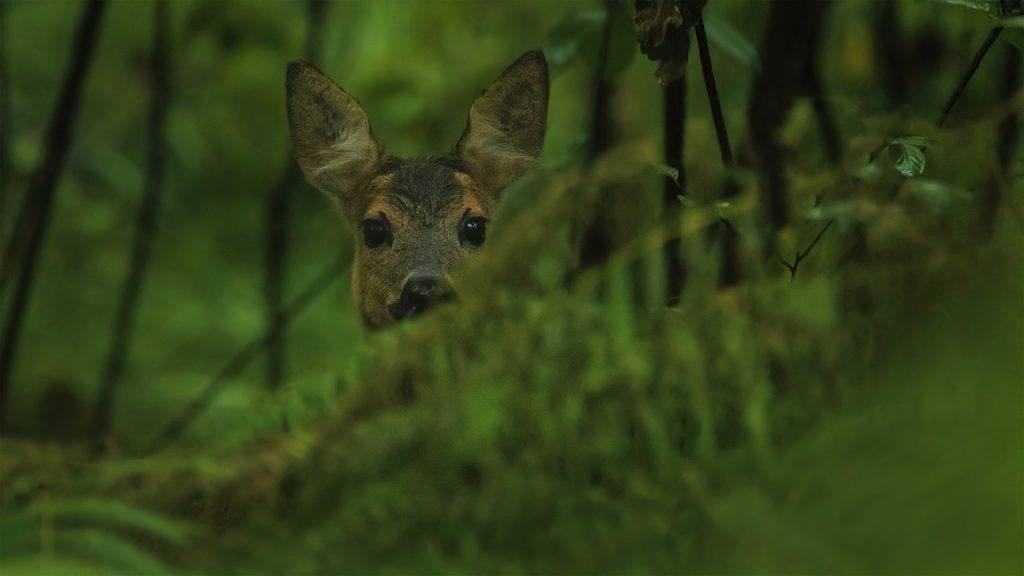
column 668, row 171
column 572, row 36
column 687, row 201
column 1013, row 22
column 989, row 7
column 915, row 141
column 907, row 156
column 107, row 550
column 1014, row 37
column 731, row 41
column 115, row 515
column 725, row 210
column 935, row 194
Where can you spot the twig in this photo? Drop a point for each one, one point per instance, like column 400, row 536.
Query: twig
column 244, row 357
column 145, row 225
column 801, row 255
column 950, row 103
column 712, row 89
column 43, row 186
column 966, row 79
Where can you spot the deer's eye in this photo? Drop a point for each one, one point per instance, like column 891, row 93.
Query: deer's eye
column 375, row 232
column 474, row 230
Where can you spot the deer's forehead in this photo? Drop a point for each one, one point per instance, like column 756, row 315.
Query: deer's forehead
column 424, row 191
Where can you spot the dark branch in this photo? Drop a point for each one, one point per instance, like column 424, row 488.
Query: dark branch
column 792, row 37
column 245, row 356
column 792, row 267
column 712, row 89
column 966, row 79
column 145, row 225
column 43, row 186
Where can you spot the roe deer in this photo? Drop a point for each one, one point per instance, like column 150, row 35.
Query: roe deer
column 416, row 219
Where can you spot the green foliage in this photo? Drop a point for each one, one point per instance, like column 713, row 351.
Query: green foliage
column 85, row 536
column 907, row 155
column 860, row 417
column 731, row 41
column 989, row 7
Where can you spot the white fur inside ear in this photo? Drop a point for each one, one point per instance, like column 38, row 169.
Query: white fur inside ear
column 349, row 155
column 492, row 149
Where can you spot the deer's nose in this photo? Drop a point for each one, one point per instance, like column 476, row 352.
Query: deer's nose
column 419, row 294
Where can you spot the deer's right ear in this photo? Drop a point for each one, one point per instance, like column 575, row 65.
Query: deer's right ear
column 330, row 135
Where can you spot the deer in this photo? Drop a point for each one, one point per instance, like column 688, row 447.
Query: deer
column 416, row 221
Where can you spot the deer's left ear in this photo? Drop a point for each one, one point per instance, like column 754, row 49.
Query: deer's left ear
column 505, row 131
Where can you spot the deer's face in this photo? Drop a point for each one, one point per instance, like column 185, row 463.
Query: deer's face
column 416, row 221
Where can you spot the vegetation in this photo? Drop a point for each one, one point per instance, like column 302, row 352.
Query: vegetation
column 771, row 327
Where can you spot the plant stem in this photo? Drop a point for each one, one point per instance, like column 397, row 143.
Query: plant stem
column 712, row 89
column 145, row 225
column 43, row 186
column 245, row 356
column 966, row 79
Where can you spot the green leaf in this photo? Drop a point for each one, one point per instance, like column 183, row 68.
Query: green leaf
column 115, row 515
column 107, row 550
column 578, row 38
column 668, row 171
column 725, row 210
column 908, row 159
column 578, row 32
column 731, row 41
column 915, row 141
column 990, row 7
column 687, row 201
column 935, row 194
column 1012, row 22
column 1014, row 37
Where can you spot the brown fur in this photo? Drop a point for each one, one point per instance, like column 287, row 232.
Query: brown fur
column 424, row 200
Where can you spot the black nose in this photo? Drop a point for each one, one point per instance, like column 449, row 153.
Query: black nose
column 419, row 294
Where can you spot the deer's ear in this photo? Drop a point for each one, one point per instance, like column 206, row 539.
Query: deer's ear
column 505, row 131
column 330, row 134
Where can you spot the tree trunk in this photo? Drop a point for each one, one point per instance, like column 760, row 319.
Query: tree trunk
column 791, row 39
column 43, row 186
column 145, row 225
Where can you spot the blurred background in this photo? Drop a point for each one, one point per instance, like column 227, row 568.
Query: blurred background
column 830, row 386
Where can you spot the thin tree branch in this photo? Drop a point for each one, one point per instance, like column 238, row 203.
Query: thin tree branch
column 245, row 356
column 145, row 225
column 966, row 79
column 712, row 89
column 950, row 104
column 43, row 186
column 792, row 267
column 730, row 271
